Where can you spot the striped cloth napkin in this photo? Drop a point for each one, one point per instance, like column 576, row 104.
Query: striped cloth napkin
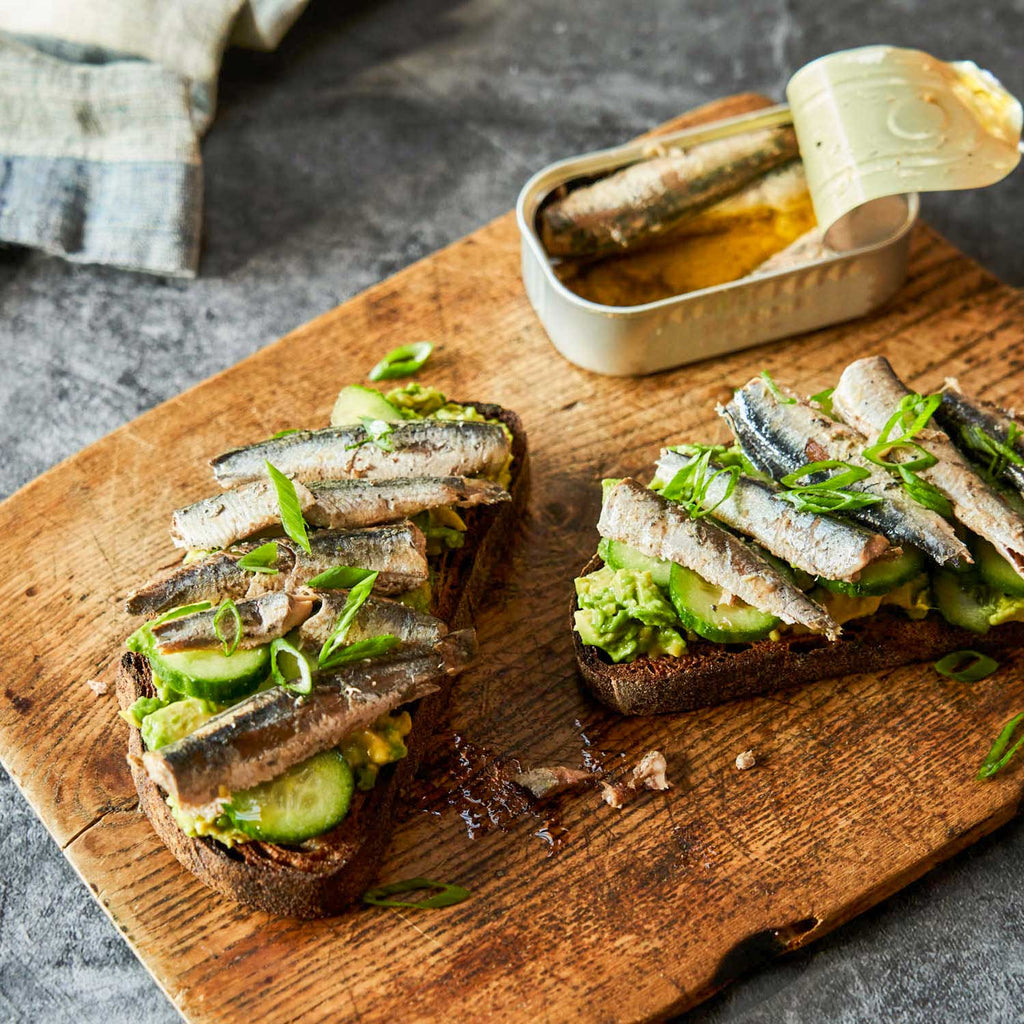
column 102, row 103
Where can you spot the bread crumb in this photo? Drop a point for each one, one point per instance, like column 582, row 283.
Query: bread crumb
column 613, row 795
column 650, row 771
column 745, row 760
column 97, row 686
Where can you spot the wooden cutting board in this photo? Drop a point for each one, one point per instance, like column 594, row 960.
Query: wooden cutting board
column 862, row 783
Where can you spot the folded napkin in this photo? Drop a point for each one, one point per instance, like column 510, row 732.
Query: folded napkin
column 102, row 103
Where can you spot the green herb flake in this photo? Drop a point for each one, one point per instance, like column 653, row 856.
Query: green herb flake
column 291, row 511
column 446, row 895
column 966, row 666
column 356, row 598
column 260, row 559
column 998, row 757
column 690, row 485
column 828, row 494
column 286, row 433
column 403, row 361
column 228, row 610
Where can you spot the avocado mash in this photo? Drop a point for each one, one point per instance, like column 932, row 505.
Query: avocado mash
column 623, row 612
column 368, row 750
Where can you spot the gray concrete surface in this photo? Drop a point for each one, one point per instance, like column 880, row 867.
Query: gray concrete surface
column 371, row 138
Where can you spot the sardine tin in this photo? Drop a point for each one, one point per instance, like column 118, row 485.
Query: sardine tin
column 634, row 340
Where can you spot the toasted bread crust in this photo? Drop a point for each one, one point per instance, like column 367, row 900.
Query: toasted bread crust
column 322, row 876
column 712, row 673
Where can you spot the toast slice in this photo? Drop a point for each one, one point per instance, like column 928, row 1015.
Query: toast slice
column 322, row 876
column 711, row 673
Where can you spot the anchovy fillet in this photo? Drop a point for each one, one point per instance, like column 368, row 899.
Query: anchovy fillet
column 396, row 551
column 268, row 732
column 867, row 395
column 377, row 616
column 637, row 516
column 958, row 411
column 780, row 438
column 817, row 544
column 412, row 448
column 263, row 619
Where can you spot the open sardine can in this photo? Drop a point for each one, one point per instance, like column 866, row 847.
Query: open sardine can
column 875, row 126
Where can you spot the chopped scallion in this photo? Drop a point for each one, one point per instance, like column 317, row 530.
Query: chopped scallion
column 228, row 610
column 403, row 361
column 446, row 895
column 291, row 511
column 998, row 757
column 966, row 666
column 260, row 559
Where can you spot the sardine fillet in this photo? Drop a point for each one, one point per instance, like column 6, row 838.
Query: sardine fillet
column 647, row 200
column 817, row 544
column 267, row 733
column 378, row 616
column 396, row 551
column 417, row 448
column 263, row 619
column 219, row 521
column 867, row 395
column 781, row 436
column 637, row 516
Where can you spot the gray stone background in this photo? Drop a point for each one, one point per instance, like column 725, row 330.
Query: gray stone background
column 371, row 138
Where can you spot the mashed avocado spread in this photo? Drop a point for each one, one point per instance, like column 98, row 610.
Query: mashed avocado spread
column 625, row 614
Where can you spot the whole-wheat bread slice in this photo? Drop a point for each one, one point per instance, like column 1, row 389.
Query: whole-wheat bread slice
column 322, row 876
column 711, row 673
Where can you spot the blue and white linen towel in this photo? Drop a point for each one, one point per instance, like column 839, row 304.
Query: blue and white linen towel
column 102, row 103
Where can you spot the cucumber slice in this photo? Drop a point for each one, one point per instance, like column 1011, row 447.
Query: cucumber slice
column 622, row 556
column 963, row 600
column 880, row 577
column 356, row 401
column 307, row 800
column 699, row 607
column 996, row 570
column 210, row 674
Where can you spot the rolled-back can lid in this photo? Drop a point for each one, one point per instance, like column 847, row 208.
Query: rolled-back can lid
column 879, row 121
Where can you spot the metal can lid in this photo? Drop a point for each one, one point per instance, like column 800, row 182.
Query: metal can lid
column 879, row 121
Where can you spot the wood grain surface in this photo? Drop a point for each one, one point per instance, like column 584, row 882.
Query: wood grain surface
column 581, row 912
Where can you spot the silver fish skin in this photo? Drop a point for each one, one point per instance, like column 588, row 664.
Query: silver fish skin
column 220, row 521
column 421, row 448
column 780, row 438
column 817, row 544
column 867, row 395
column 351, row 503
column 959, row 410
column 396, row 551
column 265, row 734
column 641, row 518
column 378, row 616
column 263, row 619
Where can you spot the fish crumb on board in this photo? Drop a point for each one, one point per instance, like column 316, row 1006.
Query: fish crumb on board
column 648, row 773
column 98, row 687
column 745, row 760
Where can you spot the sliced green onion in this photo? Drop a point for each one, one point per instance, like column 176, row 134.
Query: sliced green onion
column 966, row 666
column 912, row 414
column 355, row 600
column 849, row 475
column 260, row 559
column 403, row 361
column 997, row 760
column 925, row 493
column 810, row 500
column 689, row 485
column 924, row 460
column 338, row 577
column 378, row 432
column 304, row 684
column 291, row 511
column 371, row 647
column 1000, row 453
column 774, row 389
column 824, row 400
column 228, row 609
column 446, row 895
column 181, row 611
column 285, row 433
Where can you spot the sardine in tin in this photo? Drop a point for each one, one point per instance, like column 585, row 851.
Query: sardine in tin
column 632, row 340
